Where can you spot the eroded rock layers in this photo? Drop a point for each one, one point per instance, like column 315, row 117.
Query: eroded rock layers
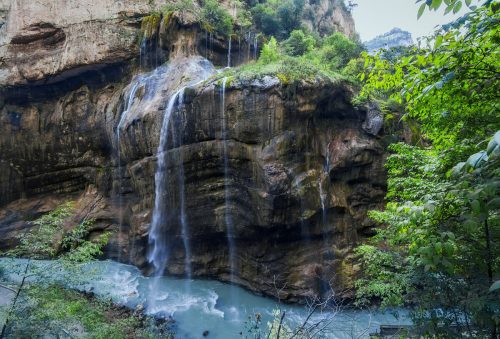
column 294, row 167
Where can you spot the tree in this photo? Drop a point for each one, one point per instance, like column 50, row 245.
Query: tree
column 278, row 18
column 216, row 18
column 437, row 253
column 270, row 52
column 298, row 43
column 337, row 50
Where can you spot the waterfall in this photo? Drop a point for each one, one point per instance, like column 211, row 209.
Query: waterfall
column 182, row 198
column 128, row 105
column 323, row 195
column 164, row 215
column 211, row 42
column 206, row 44
column 255, row 46
column 322, row 199
column 249, row 46
column 327, row 161
column 157, row 237
column 227, row 215
column 239, row 49
column 229, row 54
column 141, row 47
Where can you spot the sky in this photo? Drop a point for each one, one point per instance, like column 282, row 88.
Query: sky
column 375, row 17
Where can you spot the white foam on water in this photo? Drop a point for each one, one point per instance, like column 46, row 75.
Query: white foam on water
column 205, row 307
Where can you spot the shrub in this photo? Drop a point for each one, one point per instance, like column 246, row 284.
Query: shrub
column 215, row 18
column 290, row 15
column 150, row 24
column 337, row 50
column 54, row 311
column 266, row 19
column 278, row 18
column 48, row 240
column 298, row 43
column 270, row 52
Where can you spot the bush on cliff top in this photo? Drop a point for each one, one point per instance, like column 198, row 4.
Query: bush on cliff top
column 296, row 59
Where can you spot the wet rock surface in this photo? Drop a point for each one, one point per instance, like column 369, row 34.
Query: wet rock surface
column 302, row 173
column 294, row 170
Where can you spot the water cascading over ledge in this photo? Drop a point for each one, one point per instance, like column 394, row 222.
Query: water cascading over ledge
column 265, row 172
column 259, row 160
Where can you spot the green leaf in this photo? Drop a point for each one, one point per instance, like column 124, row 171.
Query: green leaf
column 457, row 7
column 449, row 9
column 436, row 4
column 421, row 10
column 470, row 225
column 468, row 2
column 476, row 206
column 438, row 42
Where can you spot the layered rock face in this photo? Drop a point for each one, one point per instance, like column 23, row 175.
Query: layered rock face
column 271, row 181
column 328, row 16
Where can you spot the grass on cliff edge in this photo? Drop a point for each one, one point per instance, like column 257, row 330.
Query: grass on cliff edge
column 58, row 312
column 289, row 69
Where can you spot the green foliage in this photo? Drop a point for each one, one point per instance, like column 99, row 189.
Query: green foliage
column 212, row 16
column 387, row 277
column 181, row 6
column 49, row 240
column 278, row 18
column 270, row 52
column 243, row 15
column 55, row 311
column 298, row 43
column 455, row 98
column 337, row 50
column 310, row 66
column 40, row 242
column 450, row 5
column 86, row 250
column 439, row 249
column 288, row 70
column 150, row 24
column 215, row 18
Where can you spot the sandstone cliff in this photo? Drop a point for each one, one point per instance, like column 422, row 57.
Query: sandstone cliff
column 300, row 169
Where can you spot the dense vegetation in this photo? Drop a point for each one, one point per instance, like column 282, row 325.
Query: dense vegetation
column 48, row 239
column 439, row 251
column 302, row 57
column 54, row 310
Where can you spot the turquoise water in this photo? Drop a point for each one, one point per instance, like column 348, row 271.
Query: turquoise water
column 196, row 305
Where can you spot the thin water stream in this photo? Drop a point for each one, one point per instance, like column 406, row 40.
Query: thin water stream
column 228, row 219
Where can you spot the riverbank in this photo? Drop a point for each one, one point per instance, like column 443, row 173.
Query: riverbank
column 199, row 307
column 54, row 311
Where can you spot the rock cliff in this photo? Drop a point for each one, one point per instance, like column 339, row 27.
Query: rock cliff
column 396, row 37
column 294, row 168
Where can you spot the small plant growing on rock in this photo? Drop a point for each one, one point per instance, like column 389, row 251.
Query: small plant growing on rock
column 150, row 24
column 48, row 239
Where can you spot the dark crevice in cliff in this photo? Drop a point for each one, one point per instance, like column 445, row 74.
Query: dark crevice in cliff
column 93, row 76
